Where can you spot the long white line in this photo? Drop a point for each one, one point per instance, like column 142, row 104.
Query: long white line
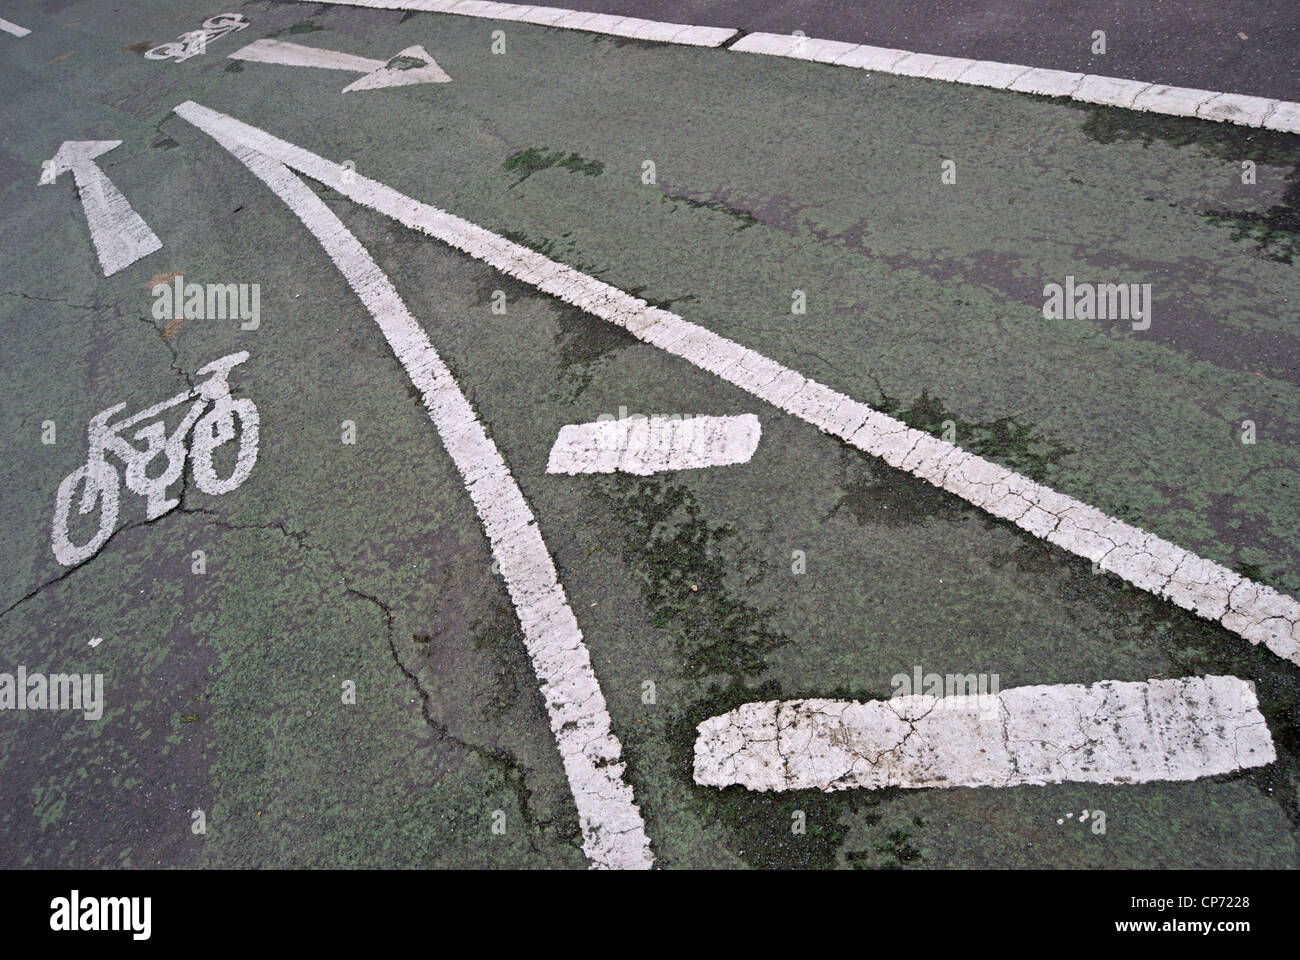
column 645, row 445
column 611, row 25
column 13, row 28
column 1283, row 115
column 1110, row 91
column 612, row 828
column 1111, row 732
column 1252, row 610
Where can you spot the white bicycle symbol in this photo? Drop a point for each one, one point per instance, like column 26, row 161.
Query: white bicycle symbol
column 103, row 483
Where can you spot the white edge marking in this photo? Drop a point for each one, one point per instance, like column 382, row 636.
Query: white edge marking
column 9, row 27
column 1108, row 91
column 1113, row 732
column 562, row 18
column 612, row 827
column 1251, row 610
column 646, row 445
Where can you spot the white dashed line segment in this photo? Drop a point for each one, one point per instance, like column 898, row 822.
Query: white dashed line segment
column 612, row 827
column 610, row 25
column 13, row 28
column 1111, row 732
column 1251, row 610
column 645, row 445
column 1247, row 111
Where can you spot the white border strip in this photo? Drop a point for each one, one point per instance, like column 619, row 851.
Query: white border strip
column 13, row 28
column 614, row 26
column 612, row 829
column 1247, row 111
column 1251, row 610
column 1115, row 732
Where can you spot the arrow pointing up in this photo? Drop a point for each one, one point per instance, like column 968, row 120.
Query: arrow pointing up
column 120, row 236
column 412, row 65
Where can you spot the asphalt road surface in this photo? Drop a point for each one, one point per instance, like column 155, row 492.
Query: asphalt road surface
column 323, row 666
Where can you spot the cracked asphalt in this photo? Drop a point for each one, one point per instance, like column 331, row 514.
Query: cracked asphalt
column 364, row 564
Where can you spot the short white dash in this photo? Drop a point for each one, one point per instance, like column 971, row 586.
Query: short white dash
column 645, row 445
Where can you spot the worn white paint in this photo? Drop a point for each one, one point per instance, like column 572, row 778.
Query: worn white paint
column 378, row 72
column 1110, row 732
column 120, row 235
column 13, row 28
column 612, row 827
column 645, row 445
column 562, row 18
column 1111, row 91
column 195, row 42
column 212, row 416
column 1251, row 610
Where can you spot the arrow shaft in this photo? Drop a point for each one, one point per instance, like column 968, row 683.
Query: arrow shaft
column 296, row 55
column 120, row 236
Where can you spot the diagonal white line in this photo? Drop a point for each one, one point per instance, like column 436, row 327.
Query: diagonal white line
column 1252, row 610
column 1235, row 108
column 1111, row 732
column 13, row 28
column 612, row 827
column 608, row 24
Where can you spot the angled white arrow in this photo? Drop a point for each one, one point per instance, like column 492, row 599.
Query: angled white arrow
column 120, row 236
column 399, row 71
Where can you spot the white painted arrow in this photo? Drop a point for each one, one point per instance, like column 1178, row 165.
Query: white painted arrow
column 378, row 73
column 120, row 236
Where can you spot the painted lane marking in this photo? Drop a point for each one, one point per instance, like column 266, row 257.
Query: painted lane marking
column 1251, row 610
column 13, row 28
column 119, row 234
column 1111, row 732
column 614, row 26
column 612, row 828
column 1248, row 111
column 100, row 482
column 378, row 73
column 1110, row 91
column 645, row 445
column 195, row 42
column 95, row 641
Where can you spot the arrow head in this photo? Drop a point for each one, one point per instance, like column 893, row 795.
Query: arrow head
column 74, row 153
column 412, row 65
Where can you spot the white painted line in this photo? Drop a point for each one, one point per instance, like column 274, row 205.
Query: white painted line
column 612, row 828
column 95, row 641
column 562, row 18
column 1251, row 610
column 1111, row 732
column 1110, row 91
column 119, row 234
column 378, row 73
column 13, row 28
column 645, row 445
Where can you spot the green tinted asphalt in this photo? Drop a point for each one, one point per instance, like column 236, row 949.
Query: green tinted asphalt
column 366, row 562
